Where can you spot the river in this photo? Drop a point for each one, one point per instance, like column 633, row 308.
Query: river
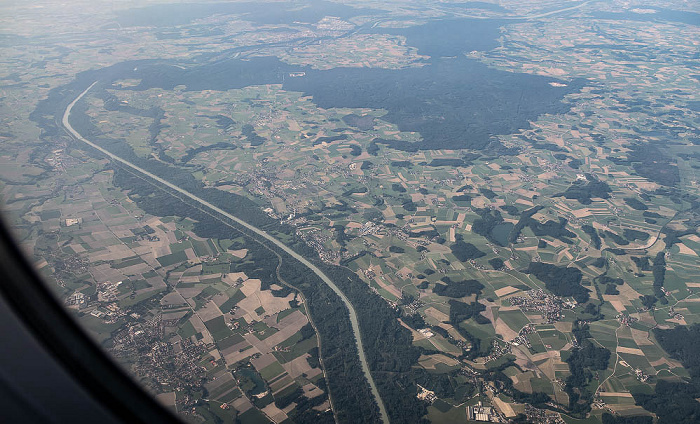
column 353, row 315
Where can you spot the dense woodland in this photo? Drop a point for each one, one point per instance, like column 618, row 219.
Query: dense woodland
column 168, row 14
column 675, row 402
column 593, row 234
column 658, row 269
column 635, row 203
column 562, row 281
column 409, row 96
column 465, row 251
column 583, row 361
column 652, row 162
column 552, row 229
column 618, row 239
column 523, row 222
column 460, row 311
column 486, row 223
column 635, row 419
column 457, row 289
column 584, row 191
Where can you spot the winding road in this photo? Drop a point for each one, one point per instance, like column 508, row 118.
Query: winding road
column 353, row 315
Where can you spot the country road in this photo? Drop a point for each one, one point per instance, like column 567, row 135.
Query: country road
column 353, row 315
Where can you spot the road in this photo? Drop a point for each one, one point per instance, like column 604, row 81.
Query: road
column 617, row 360
column 554, row 12
column 518, row 18
column 353, row 315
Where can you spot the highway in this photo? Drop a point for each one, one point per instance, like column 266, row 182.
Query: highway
column 518, row 18
column 353, row 315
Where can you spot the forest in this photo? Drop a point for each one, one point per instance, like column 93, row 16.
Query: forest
column 619, row 240
column 465, row 251
column 633, row 235
column 585, row 191
column 166, row 15
column 486, row 223
column 635, row 203
column 593, row 234
column 496, row 263
column 552, row 229
column 658, row 269
column 457, row 289
column 410, row 97
column 675, row 402
column 582, row 361
column 523, row 222
column 460, row 311
column 642, row 263
column 673, row 236
column 447, row 162
column 651, row 161
column 634, row 419
column 562, row 281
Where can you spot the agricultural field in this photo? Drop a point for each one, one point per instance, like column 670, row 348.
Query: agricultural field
column 142, row 284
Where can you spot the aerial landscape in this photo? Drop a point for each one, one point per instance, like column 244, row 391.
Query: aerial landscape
column 368, row 211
